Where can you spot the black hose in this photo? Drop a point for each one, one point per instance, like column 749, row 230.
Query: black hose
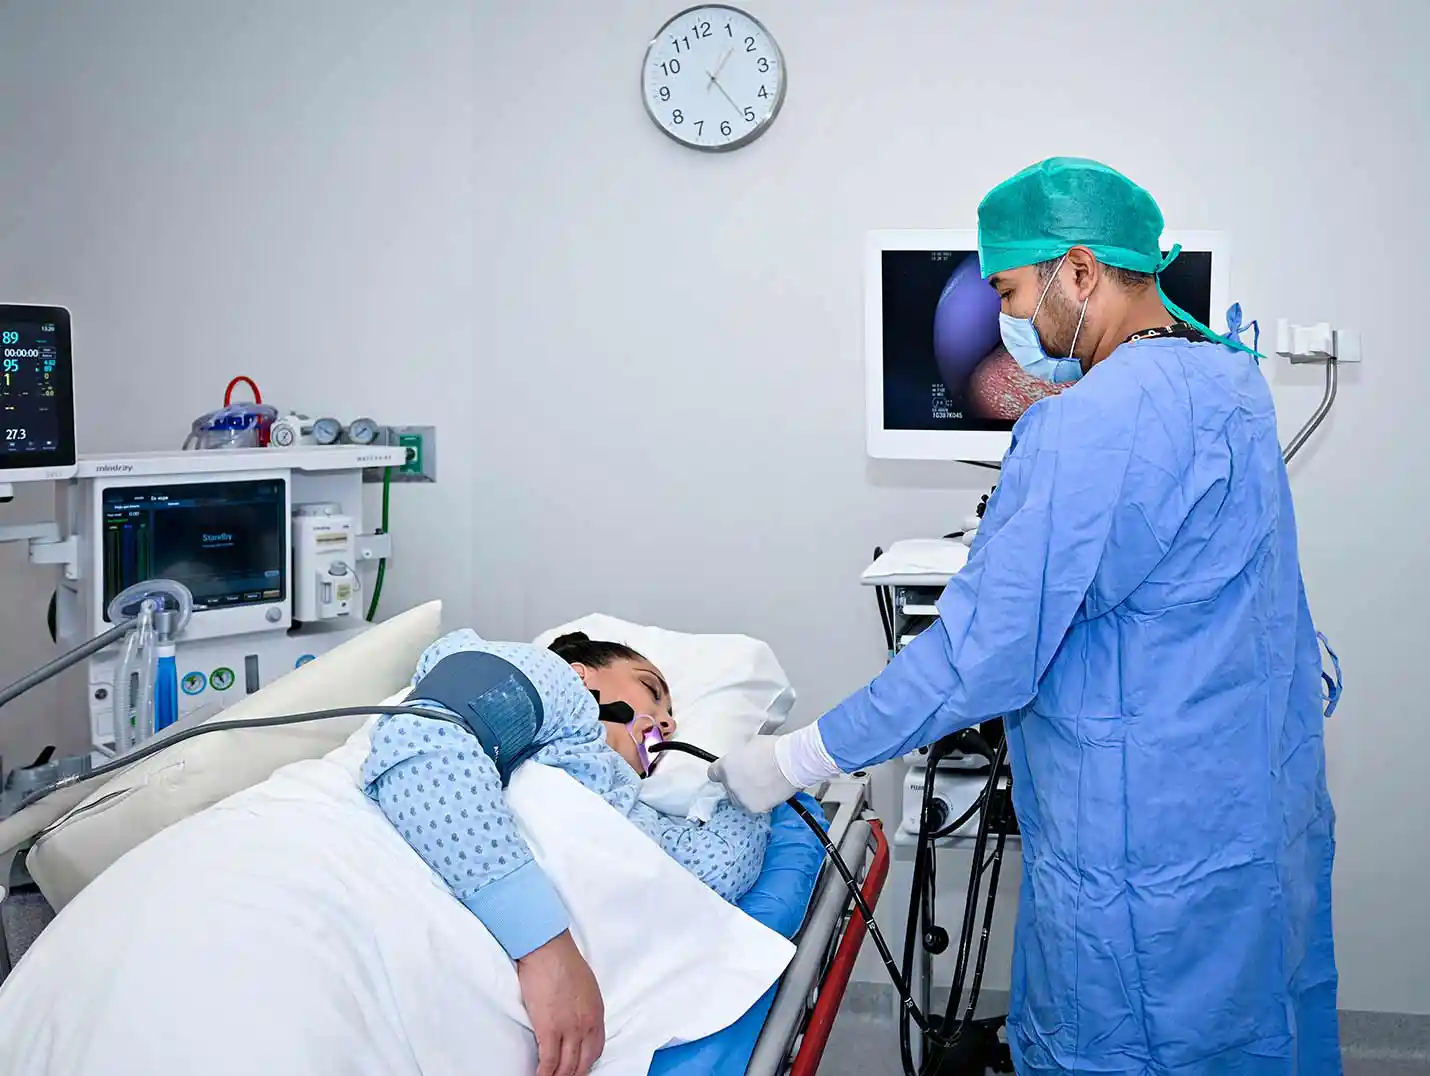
column 965, row 936
column 901, row 984
column 163, row 743
column 988, row 909
column 920, row 900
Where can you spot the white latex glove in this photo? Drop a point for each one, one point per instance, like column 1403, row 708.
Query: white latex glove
column 752, row 776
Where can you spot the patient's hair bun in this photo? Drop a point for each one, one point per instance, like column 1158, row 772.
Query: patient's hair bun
column 578, row 648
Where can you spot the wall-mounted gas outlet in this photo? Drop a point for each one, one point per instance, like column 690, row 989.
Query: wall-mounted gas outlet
column 421, row 445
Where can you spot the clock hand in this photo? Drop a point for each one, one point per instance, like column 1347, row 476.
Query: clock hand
column 727, row 97
column 720, row 66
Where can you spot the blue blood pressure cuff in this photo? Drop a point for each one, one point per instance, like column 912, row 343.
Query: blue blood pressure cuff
column 492, row 699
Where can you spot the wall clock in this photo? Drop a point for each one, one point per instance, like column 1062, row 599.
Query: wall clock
column 713, row 78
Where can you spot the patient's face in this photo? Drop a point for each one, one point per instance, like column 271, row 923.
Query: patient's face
column 639, row 685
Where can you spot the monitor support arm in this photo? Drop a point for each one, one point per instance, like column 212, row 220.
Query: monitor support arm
column 46, row 545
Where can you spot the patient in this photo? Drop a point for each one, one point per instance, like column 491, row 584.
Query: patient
column 581, row 706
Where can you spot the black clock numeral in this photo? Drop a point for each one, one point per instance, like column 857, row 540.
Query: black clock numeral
column 725, row 129
column 678, row 42
column 670, row 67
column 764, row 92
column 699, row 127
column 701, row 29
column 677, row 116
column 665, row 93
column 728, row 31
column 749, row 44
column 763, row 64
column 749, row 114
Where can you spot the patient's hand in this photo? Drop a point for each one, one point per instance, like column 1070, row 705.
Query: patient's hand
column 564, row 1003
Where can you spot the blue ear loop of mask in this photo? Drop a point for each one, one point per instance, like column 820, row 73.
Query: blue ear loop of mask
column 1021, row 339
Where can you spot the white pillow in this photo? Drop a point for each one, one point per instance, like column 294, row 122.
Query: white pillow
column 169, row 786
column 725, row 690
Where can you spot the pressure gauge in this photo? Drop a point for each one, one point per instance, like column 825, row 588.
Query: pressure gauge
column 363, row 431
column 327, row 431
column 284, row 434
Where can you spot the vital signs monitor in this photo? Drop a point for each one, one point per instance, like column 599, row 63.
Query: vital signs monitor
column 37, row 426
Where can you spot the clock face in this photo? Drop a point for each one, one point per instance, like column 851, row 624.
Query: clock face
column 713, row 78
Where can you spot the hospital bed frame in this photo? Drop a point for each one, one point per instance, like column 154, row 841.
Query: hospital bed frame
column 797, row 1028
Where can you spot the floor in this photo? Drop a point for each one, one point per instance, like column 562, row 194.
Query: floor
column 863, row 1044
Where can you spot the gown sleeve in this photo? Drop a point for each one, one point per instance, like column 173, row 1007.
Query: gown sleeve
column 1092, row 490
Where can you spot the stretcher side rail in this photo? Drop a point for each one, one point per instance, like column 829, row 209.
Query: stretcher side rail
column 797, row 1027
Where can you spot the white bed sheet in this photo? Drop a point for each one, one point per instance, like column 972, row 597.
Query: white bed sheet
column 290, row 929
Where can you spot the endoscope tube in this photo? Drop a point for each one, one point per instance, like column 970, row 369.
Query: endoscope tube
column 920, row 899
column 900, row 983
column 965, row 936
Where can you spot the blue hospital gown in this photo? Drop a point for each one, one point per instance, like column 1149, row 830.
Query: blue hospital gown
column 1133, row 607
column 442, row 793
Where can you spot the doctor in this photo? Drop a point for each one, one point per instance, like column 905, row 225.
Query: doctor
column 1133, row 608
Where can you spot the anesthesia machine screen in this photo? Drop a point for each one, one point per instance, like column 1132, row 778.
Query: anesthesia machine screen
column 226, row 541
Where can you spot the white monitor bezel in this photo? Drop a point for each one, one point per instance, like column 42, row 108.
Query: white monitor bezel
column 975, row 445
column 207, row 623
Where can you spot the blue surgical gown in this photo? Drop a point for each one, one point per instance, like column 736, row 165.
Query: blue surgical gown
column 1133, row 606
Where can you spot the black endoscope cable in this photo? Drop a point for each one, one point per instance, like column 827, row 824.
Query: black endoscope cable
column 900, row 982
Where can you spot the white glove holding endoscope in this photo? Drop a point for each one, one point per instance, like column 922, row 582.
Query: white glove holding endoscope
column 770, row 769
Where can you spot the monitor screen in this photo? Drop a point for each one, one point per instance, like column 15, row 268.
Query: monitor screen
column 941, row 384
column 944, row 364
column 226, row 541
column 36, row 388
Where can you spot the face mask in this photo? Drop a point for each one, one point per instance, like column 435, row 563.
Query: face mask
column 1021, row 339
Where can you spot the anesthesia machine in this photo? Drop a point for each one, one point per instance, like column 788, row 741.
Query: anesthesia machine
column 189, row 579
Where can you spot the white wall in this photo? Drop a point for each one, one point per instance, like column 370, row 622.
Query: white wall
column 276, row 189
column 706, row 463
column 646, row 362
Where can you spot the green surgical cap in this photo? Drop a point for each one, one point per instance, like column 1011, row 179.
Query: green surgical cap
column 1064, row 202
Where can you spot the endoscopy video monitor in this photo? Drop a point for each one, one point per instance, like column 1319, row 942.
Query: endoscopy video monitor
column 37, row 424
column 940, row 385
column 227, row 541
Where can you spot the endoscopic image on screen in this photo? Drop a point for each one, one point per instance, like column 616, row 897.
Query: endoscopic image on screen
column 945, row 367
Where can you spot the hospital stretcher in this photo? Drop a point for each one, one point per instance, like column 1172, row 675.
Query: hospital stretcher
column 785, row 1034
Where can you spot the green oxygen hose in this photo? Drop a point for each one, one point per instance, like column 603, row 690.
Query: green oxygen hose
column 383, row 529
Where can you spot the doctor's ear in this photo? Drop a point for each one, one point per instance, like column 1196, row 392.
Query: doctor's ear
column 1084, row 269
